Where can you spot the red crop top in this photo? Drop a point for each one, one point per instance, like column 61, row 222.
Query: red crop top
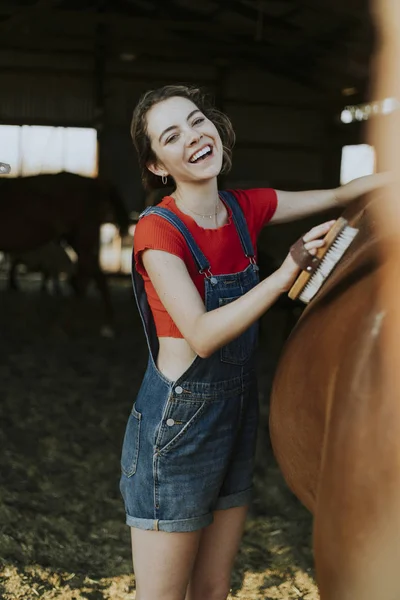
column 221, row 246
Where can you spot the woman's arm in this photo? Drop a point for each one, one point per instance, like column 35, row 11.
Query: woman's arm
column 204, row 331
column 295, row 205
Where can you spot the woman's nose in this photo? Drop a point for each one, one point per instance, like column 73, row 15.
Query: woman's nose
column 193, row 137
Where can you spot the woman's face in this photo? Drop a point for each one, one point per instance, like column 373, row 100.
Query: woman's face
column 187, row 144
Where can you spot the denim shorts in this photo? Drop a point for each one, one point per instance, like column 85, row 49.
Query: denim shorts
column 188, row 450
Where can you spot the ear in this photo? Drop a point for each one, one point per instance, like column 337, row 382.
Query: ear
column 157, row 169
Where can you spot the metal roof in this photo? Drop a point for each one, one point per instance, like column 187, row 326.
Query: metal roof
column 322, row 43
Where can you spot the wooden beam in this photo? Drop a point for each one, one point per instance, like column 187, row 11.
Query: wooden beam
column 88, row 72
column 124, row 25
column 99, row 71
column 290, row 103
column 280, row 146
column 139, row 43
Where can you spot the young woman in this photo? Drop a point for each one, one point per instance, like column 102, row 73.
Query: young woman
column 188, row 450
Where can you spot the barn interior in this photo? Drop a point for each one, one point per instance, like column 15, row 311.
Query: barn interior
column 294, row 76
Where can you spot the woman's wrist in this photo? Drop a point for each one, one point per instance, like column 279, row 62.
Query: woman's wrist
column 278, row 282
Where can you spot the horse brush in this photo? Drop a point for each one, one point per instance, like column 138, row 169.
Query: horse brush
column 316, row 269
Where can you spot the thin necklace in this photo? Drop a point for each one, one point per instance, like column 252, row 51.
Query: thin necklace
column 209, row 216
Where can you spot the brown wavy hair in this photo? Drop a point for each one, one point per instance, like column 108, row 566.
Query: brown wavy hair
column 141, row 139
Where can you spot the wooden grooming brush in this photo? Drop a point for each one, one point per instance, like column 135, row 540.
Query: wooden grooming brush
column 316, row 269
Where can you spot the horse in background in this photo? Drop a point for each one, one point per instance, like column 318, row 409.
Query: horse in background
column 64, row 206
column 51, row 261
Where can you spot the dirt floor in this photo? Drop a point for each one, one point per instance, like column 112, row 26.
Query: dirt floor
column 65, row 396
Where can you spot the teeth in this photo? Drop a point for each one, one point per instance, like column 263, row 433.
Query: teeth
column 200, row 153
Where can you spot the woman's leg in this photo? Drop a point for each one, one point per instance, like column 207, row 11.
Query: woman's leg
column 217, row 550
column 163, row 563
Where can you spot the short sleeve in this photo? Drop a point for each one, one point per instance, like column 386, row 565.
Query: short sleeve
column 259, row 206
column 155, row 232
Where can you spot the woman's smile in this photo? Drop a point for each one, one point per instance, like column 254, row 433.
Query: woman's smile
column 202, row 154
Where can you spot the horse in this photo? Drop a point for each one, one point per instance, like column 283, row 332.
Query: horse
column 61, row 207
column 333, row 429
column 50, row 260
column 335, row 405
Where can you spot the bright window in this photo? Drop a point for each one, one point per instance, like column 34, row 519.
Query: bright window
column 116, row 252
column 357, row 161
column 33, row 149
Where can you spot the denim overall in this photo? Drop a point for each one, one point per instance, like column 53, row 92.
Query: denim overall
column 189, row 444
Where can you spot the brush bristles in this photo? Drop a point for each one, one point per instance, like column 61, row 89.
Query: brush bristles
column 328, row 263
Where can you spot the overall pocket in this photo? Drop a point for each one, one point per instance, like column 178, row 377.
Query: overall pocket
column 239, row 350
column 178, row 423
column 130, row 446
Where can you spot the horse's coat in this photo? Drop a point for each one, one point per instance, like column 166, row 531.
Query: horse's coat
column 333, row 429
column 43, row 208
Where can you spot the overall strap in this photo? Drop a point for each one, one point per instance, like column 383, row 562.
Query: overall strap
column 199, row 258
column 240, row 222
column 145, row 312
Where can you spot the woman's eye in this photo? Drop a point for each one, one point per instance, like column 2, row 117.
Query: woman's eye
column 198, row 121
column 172, row 138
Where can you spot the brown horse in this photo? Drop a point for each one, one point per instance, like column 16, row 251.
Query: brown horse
column 51, row 260
column 36, row 210
column 335, row 412
column 333, row 430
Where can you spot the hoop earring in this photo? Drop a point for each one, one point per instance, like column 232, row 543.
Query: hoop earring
column 164, row 179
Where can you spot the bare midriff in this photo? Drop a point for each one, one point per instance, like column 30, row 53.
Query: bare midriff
column 174, row 357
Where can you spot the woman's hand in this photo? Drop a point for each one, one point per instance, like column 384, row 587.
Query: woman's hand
column 289, row 270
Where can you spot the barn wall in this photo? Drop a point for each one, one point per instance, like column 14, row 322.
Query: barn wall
column 283, row 128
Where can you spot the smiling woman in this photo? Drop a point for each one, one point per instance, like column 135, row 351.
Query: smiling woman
column 188, row 451
column 200, row 107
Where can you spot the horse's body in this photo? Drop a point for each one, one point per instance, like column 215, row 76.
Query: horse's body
column 39, row 209
column 332, row 428
column 50, row 260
